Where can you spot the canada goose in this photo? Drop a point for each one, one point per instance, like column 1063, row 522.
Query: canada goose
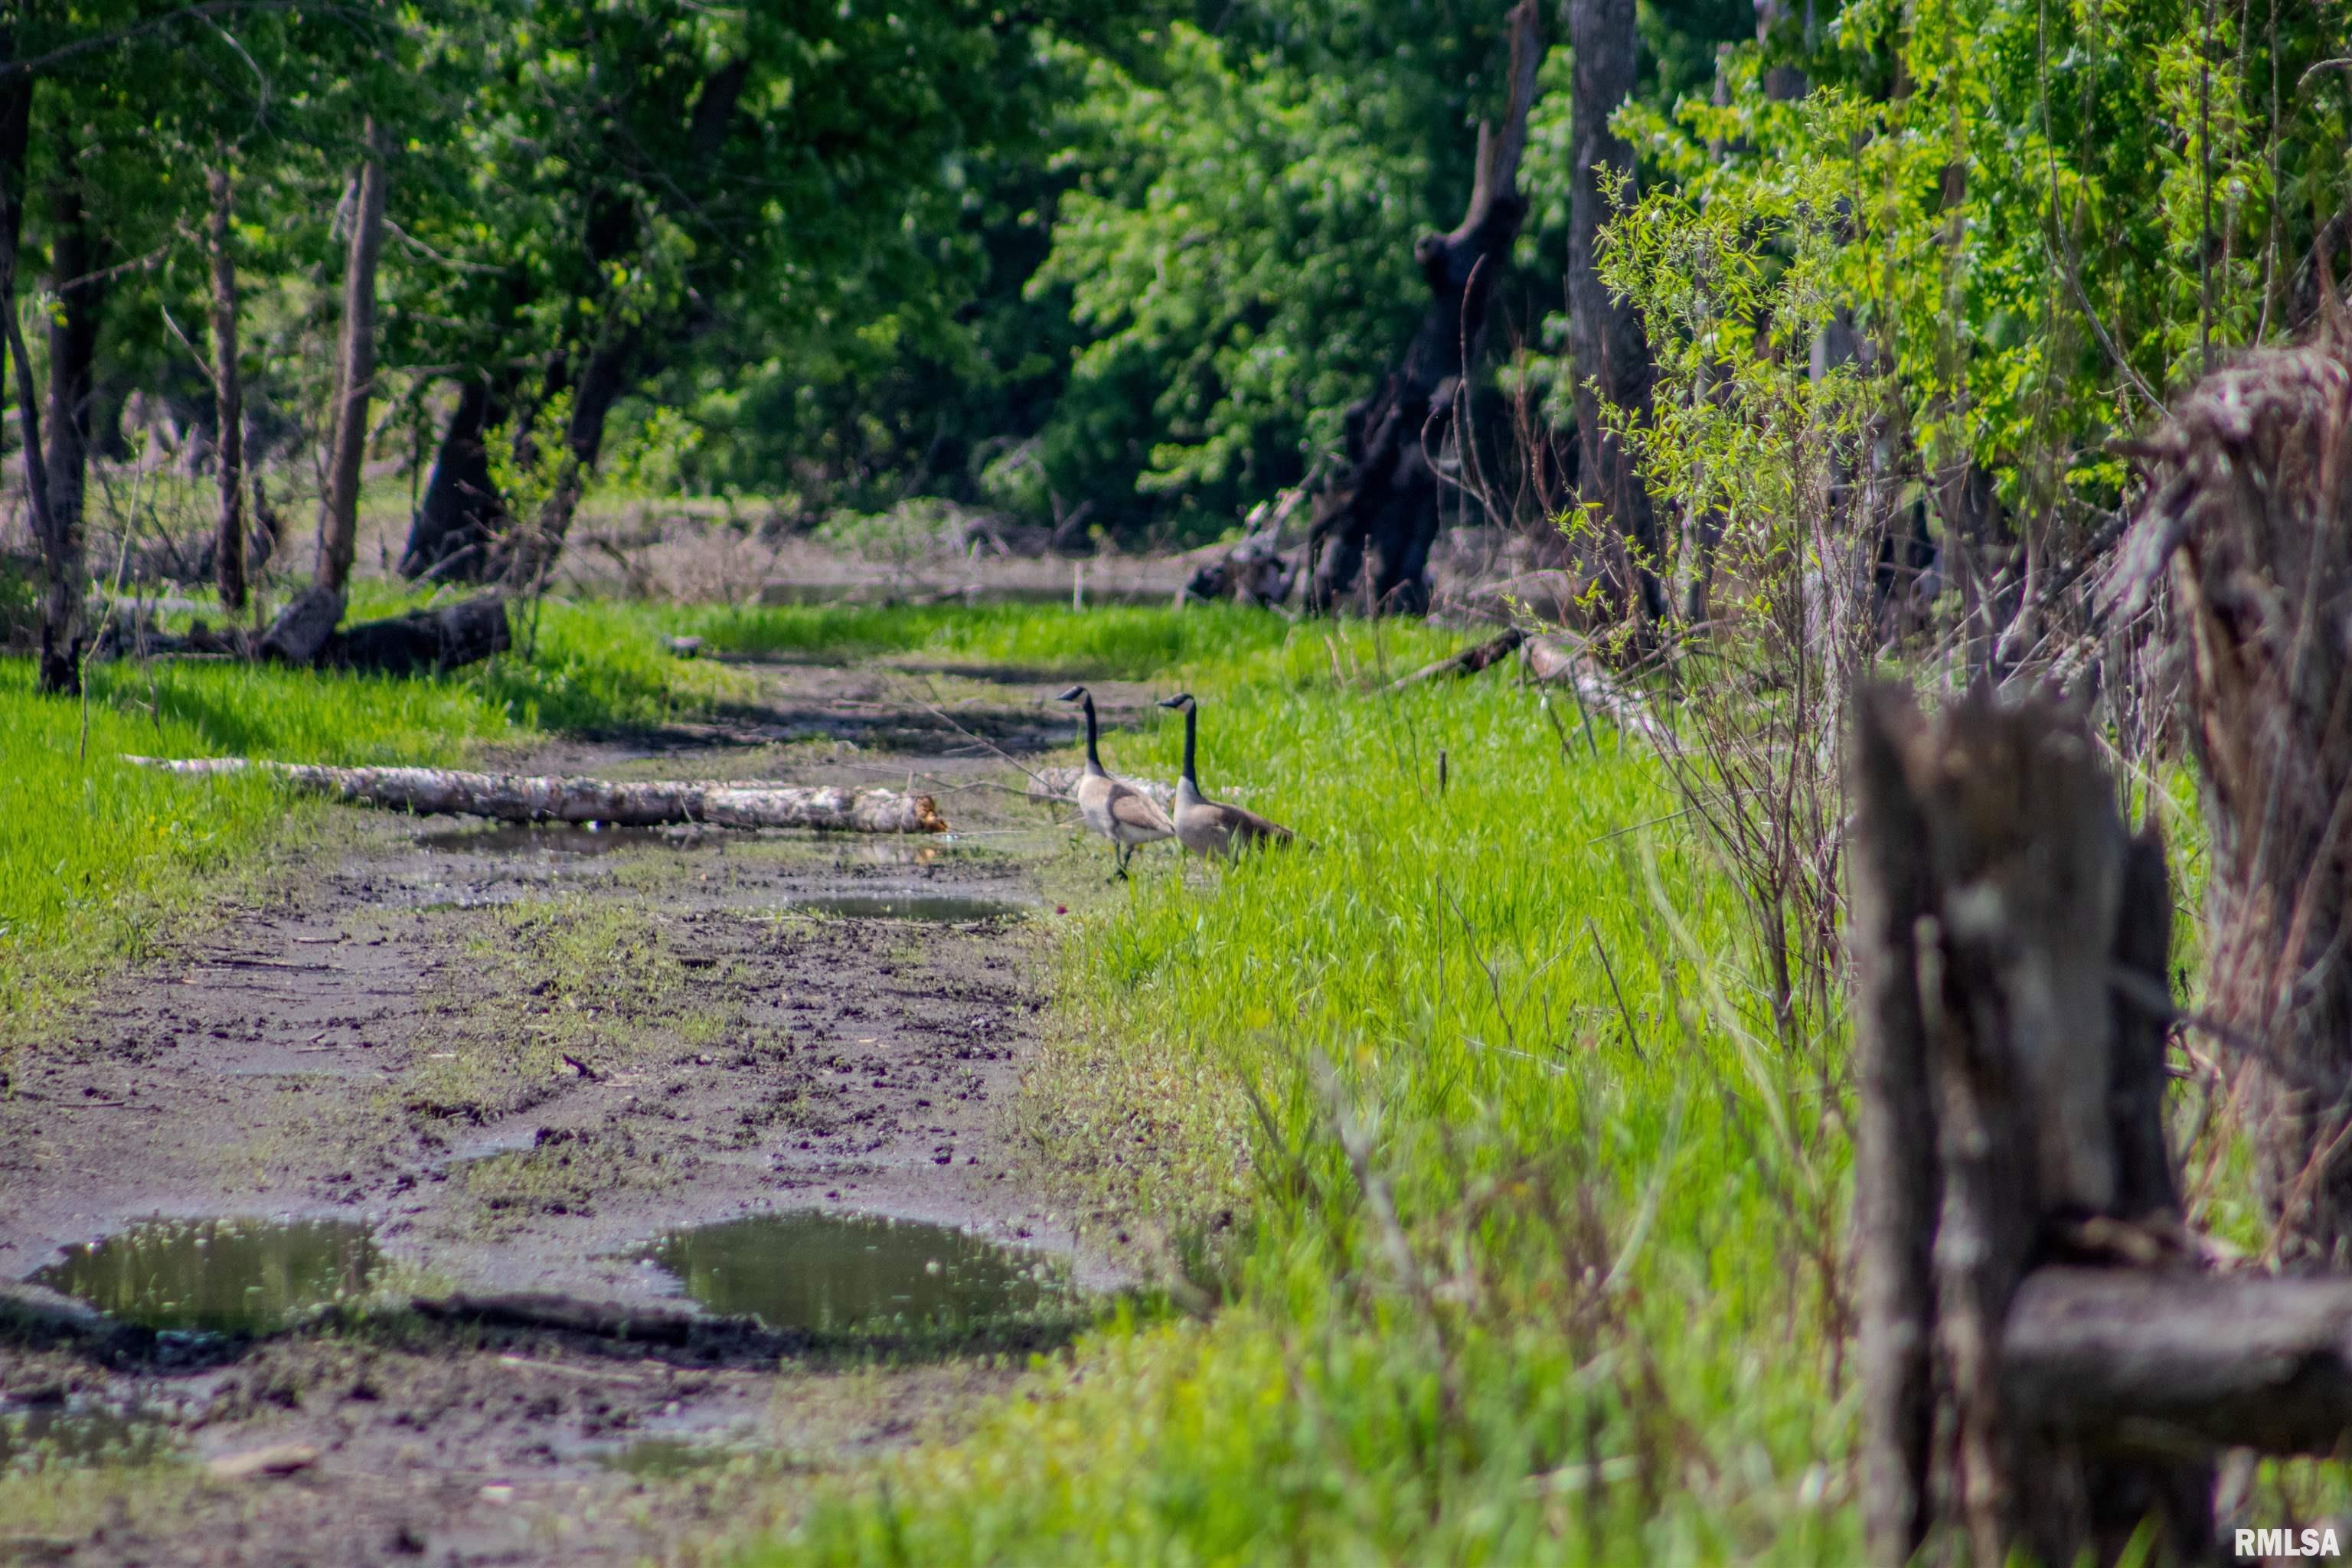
column 1208, row 827
column 1113, row 807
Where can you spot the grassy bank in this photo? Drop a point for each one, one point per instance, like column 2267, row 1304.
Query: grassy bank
column 98, row 857
column 1524, row 1263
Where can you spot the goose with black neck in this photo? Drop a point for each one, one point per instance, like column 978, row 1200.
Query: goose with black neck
column 1208, row 827
column 1112, row 807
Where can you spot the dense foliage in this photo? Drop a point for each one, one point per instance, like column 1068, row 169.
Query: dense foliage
column 1127, row 267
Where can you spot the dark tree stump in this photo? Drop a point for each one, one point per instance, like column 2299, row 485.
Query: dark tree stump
column 1375, row 524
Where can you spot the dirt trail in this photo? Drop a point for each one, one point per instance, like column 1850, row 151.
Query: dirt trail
column 522, row 1056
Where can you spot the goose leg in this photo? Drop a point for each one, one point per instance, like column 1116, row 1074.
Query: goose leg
column 1120, row 875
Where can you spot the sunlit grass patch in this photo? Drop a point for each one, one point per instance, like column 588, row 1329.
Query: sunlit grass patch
column 1124, row 642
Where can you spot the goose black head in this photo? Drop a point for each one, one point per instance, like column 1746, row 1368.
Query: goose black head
column 1182, row 699
column 1072, row 695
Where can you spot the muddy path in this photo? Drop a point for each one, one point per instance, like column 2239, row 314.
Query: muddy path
column 676, row 1073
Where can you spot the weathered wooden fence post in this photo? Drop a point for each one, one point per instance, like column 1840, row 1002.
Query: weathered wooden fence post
column 2010, row 941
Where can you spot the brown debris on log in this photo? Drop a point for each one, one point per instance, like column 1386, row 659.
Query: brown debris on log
column 1254, row 571
column 516, row 798
column 2250, row 526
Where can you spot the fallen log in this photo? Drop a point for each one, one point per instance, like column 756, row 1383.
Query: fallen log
column 423, row 641
column 420, row 642
column 1555, row 661
column 2170, row 1361
column 517, row 797
column 566, row 1314
column 1469, row 661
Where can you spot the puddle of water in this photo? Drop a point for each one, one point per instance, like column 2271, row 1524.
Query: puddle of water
column 911, row 907
column 831, row 1272
column 77, row 1431
column 558, row 838
column 217, row 1276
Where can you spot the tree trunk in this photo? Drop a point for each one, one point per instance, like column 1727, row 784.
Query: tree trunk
column 73, row 354
column 534, row 549
column 1374, row 526
column 228, row 398
column 512, row 797
column 462, row 513
column 15, row 119
column 2251, row 527
column 1608, row 352
column 302, row 630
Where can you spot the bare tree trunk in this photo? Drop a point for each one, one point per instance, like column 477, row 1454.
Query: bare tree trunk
column 229, row 399
column 1374, row 526
column 16, row 120
column 462, row 514
column 1606, row 346
column 535, row 548
column 302, row 630
column 73, row 354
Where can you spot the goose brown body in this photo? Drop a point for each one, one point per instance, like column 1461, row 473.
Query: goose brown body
column 1213, row 827
column 1110, row 806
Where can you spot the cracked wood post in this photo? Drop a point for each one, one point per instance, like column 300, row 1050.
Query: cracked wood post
column 516, row 798
column 2009, row 1112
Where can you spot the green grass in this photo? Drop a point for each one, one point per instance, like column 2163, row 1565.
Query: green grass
column 1612, row 1342
column 1608, row 1322
column 97, row 856
column 1113, row 642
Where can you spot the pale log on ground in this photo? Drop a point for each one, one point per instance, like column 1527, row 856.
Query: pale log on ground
column 1556, row 661
column 517, row 797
